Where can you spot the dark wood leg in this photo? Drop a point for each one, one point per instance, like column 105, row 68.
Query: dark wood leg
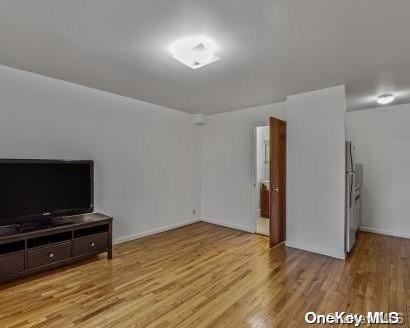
column 109, row 253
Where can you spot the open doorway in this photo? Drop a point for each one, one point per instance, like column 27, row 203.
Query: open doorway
column 270, row 181
column 262, row 180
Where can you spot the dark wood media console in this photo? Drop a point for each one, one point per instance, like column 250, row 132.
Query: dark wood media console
column 73, row 239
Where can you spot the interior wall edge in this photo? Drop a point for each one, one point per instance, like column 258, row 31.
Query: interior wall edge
column 125, row 239
column 332, row 253
column 229, row 225
column 385, row 232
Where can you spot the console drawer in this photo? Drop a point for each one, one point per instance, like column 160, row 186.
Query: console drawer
column 90, row 244
column 12, row 263
column 48, row 255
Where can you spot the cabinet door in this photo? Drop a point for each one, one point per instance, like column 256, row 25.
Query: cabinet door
column 48, row 255
column 11, row 263
column 91, row 244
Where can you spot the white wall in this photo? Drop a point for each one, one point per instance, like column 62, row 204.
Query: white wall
column 152, row 169
column 146, row 156
column 228, row 165
column 315, row 171
column 382, row 139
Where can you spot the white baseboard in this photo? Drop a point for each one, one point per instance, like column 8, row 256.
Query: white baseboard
column 228, row 225
column 223, row 224
column 331, row 253
column 385, row 232
column 153, row 231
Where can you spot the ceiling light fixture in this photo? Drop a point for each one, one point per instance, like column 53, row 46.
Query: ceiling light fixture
column 195, row 51
column 385, row 99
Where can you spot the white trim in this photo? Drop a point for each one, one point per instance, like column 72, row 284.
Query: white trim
column 254, row 177
column 326, row 252
column 228, row 225
column 154, row 231
column 385, row 232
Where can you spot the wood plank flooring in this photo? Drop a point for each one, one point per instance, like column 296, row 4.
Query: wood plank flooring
column 203, row 275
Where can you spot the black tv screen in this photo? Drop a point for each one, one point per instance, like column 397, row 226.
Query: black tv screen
column 31, row 189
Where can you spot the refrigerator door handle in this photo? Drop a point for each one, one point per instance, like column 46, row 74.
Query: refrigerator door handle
column 351, row 191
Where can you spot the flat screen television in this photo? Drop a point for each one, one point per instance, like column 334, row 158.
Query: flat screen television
column 37, row 190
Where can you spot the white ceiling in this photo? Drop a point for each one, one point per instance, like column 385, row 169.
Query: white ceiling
column 269, row 48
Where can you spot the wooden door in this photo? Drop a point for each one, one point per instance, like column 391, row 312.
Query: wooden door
column 277, row 152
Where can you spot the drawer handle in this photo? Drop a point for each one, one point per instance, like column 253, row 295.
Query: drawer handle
column 92, row 244
column 51, row 255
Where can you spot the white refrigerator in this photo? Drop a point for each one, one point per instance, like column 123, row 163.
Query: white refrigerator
column 354, row 180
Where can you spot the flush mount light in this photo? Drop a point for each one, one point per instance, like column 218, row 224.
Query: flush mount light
column 385, row 99
column 195, row 51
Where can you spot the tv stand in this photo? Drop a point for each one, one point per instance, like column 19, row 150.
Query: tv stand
column 66, row 240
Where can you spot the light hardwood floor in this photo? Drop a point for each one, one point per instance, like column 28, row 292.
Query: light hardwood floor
column 203, row 275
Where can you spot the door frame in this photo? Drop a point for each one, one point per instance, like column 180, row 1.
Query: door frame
column 254, row 182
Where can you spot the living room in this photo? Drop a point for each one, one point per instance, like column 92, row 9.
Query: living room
column 154, row 224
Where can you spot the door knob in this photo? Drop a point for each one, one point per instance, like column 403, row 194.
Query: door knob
column 51, row 255
column 92, row 244
column 276, row 189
